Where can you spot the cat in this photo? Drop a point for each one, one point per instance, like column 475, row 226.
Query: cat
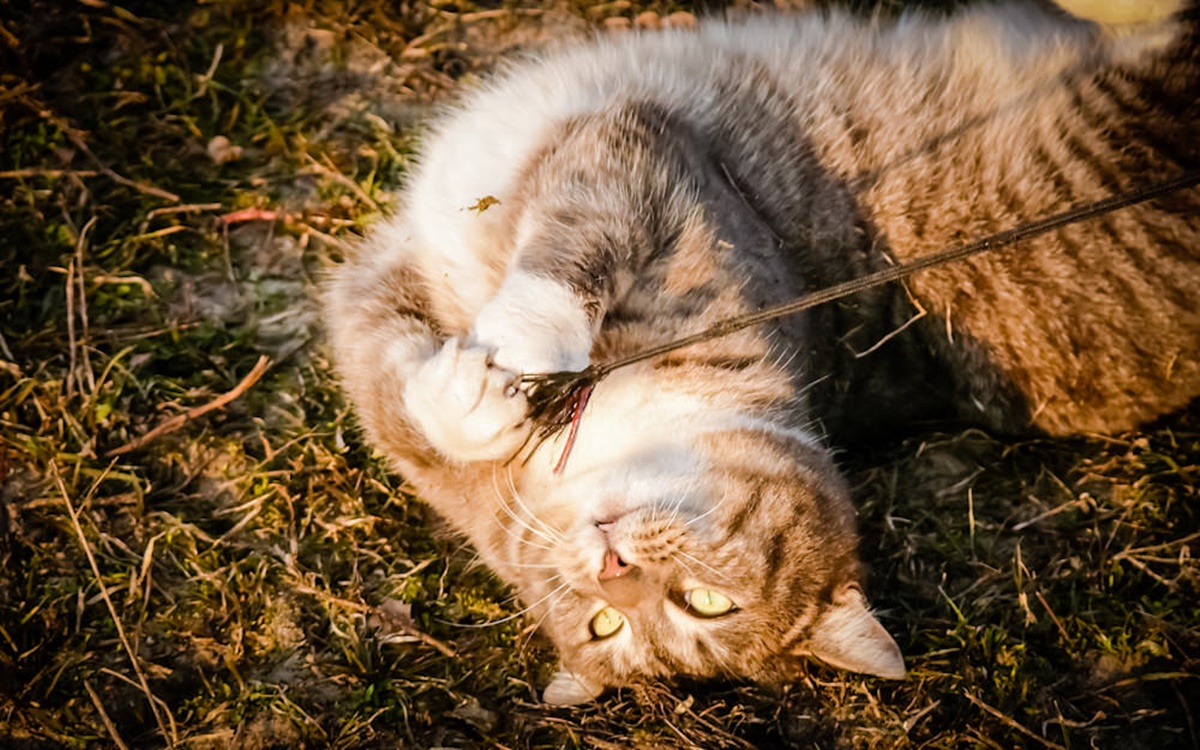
column 596, row 200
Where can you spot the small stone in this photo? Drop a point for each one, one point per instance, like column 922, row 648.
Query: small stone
column 221, row 151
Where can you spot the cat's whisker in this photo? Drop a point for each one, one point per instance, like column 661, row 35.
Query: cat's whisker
column 521, row 522
column 716, row 506
column 706, row 566
column 554, row 533
column 707, row 513
column 520, row 538
column 516, row 615
column 686, row 567
column 549, row 610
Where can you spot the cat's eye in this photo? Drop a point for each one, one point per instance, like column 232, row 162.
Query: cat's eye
column 606, row 622
column 708, row 603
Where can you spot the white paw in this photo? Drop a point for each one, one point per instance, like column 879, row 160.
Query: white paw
column 534, row 325
column 468, row 408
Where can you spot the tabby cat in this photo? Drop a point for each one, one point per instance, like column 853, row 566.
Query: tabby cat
column 600, row 199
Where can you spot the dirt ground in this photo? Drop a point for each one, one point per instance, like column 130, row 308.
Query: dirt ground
column 198, row 550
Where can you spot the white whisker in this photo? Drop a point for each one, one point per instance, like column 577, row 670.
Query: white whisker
column 550, row 530
column 509, row 618
column 549, row 609
column 522, row 540
column 554, row 540
column 703, row 564
column 710, row 511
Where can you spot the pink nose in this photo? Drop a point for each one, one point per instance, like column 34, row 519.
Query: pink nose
column 613, row 566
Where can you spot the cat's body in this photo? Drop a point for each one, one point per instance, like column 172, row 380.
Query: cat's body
column 648, row 186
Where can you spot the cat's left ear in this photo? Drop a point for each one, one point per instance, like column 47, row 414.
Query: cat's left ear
column 849, row 637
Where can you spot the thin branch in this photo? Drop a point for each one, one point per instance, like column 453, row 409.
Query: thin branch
column 83, row 314
column 112, row 729
column 551, row 395
column 74, row 136
column 179, row 420
column 1014, row 724
column 19, row 174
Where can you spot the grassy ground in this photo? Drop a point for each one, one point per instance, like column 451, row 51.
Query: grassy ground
column 173, row 177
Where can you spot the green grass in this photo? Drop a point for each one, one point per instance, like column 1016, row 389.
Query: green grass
column 1045, row 593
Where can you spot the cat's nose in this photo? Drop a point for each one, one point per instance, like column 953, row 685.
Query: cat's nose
column 621, row 582
column 614, row 567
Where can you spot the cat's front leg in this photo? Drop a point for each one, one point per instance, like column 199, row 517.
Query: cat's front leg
column 535, row 324
column 466, row 399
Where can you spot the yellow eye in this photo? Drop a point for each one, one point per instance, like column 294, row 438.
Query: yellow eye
column 607, row 622
column 708, row 603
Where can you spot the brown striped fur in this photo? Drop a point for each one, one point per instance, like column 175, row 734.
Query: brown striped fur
column 650, row 185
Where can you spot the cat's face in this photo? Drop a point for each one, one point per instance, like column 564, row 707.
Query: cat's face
column 713, row 566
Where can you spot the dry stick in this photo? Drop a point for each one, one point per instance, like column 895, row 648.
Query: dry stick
column 80, row 144
column 1057, row 622
column 83, row 315
column 19, row 174
column 1013, row 723
column 70, row 290
column 109, row 172
column 170, row 735
column 551, row 396
column 112, row 729
column 179, row 420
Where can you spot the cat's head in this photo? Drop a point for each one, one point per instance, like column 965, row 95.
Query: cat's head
column 727, row 558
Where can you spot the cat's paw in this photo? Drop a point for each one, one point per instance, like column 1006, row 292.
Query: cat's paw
column 468, row 408
column 534, row 325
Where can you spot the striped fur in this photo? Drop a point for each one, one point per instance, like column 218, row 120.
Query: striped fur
column 647, row 186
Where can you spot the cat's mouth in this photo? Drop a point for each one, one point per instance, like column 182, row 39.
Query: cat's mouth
column 612, row 565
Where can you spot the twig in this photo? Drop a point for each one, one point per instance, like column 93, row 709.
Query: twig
column 253, row 214
column 390, row 613
column 83, row 314
column 75, row 138
column 1014, row 724
column 1057, row 623
column 185, row 208
column 70, row 290
column 18, row 174
column 581, row 402
column 179, row 420
column 169, row 734
column 205, row 79
column 111, row 174
column 112, row 730
column 328, row 170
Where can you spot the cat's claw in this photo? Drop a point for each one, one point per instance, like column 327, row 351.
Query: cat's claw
column 468, row 408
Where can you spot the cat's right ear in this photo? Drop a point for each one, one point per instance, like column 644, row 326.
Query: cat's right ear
column 849, row 637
